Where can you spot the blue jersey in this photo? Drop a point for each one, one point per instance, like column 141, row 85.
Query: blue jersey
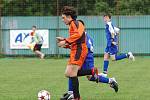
column 89, row 43
column 89, row 61
column 109, row 30
column 111, row 36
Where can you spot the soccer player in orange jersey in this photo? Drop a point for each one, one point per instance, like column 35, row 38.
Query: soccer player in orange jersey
column 78, row 49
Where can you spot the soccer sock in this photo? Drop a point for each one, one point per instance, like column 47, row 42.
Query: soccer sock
column 70, row 85
column 75, row 87
column 101, row 79
column 119, row 57
column 106, row 63
column 85, row 72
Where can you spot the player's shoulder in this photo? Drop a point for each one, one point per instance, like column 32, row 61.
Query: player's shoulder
column 77, row 23
column 74, row 24
column 109, row 23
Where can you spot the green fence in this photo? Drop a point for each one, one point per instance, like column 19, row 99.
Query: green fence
column 134, row 36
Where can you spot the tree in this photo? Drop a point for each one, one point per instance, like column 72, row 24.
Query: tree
column 84, row 7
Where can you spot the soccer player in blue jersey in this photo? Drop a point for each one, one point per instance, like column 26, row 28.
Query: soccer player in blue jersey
column 111, row 49
column 89, row 64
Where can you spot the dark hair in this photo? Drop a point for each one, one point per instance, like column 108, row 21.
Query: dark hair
column 107, row 14
column 81, row 21
column 33, row 26
column 67, row 10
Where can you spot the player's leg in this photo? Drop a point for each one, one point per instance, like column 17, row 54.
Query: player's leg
column 106, row 64
column 37, row 50
column 93, row 72
column 39, row 53
column 70, row 90
column 86, row 69
column 71, row 72
column 103, row 79
column 89, row 64
column 115, row 57
column 106, row 61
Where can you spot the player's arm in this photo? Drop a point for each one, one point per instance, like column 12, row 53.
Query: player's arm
column 117, row 30
column 63, row 44
column 76, row 32
column 35, row 39
column 67, row 46
column 111, row 30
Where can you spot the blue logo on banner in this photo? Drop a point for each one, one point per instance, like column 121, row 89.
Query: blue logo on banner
column 21, row 37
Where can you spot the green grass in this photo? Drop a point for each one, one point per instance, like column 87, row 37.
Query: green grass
column 21, row 79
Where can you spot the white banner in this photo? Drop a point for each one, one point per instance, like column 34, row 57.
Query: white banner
column 19, row 39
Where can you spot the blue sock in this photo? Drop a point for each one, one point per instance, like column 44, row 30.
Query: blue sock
column 101, row 79
column 106, row 63
column 92, row 79
column 70, row 85
column 119, row 57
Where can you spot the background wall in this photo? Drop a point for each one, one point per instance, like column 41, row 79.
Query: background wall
column 134, row 35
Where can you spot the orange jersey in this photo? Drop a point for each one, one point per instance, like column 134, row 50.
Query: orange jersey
column 77, row 40
column 76, row 33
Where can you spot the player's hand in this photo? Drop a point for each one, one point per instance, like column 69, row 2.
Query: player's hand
column 61, row 43
column 58, row 39
column 114, row 43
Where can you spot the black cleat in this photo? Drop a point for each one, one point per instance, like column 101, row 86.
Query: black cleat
column 67, row 96
column 114, row 84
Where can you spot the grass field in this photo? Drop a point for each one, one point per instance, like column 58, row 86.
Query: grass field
column 21, row 79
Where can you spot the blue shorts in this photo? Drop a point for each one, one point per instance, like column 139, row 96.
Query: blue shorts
column 89, row 62
column 112, row 50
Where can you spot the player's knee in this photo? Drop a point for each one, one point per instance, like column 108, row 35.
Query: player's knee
column 70, row 74
column 66, row 74
column 106, row 56
column 113, row 58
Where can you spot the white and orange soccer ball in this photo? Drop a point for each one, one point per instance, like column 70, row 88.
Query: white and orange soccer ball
column 44, row 95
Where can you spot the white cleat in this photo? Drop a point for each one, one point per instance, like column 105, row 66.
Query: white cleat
column 103, row 74
column 131, row 57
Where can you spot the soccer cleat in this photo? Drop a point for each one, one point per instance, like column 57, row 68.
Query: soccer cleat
column 67, row 96
column 95, row 74
column 114, row 84
column 76, row 99
column 131, row 57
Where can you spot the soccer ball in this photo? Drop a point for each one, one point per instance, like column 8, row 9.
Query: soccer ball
column 43, row 95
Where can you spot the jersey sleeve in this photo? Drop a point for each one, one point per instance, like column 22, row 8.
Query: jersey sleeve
column 111, row 30
column 76, row 32
column 89, row 42
column 116, row 30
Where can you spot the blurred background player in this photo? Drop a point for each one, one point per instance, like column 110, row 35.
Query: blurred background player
column 111, row 49
column 89, row 64
column 36, row 42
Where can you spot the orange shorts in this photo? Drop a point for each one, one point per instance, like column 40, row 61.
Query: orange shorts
column 77, row 57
